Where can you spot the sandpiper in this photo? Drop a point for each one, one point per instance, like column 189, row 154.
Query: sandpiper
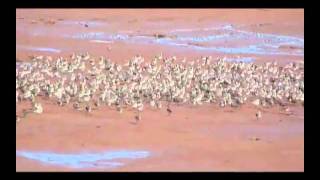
column 258, row 115
column 17, row 118
column 137, row 118
column 169, row 109
column 88, row 108
column 81, row 80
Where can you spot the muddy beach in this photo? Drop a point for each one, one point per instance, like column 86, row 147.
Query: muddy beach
column 202, row 138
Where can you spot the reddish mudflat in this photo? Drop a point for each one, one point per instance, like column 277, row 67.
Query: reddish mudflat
column 204, row 138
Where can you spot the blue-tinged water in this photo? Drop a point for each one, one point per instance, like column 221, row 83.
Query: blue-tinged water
column 253, row 43
column 106, row 159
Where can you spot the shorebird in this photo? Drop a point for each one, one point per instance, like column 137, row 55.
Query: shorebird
column 137, row 118
column 159, row 105
column 17, row 96
column 152, row 103
column 119, row 108
column 258, row 115
column 76, row 106
column 228, row 83
column 37, row 108
column 17, row 118
column 169, row 109
column 88, row 108
column 287, row 111
column 256, row 102
column 97, row 103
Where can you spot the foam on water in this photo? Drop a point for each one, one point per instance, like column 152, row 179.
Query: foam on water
column 101, row 41
column 84, row 160
column 43, row 49
column 258, row 46
column 98, row 36
column 250, row 49
column 241, row 59
column 253, row 49
column 205, row 38
column 223, row 27
column 87, row 36
column 89, row 23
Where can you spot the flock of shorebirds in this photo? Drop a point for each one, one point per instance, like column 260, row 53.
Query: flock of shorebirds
column 87, row 83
